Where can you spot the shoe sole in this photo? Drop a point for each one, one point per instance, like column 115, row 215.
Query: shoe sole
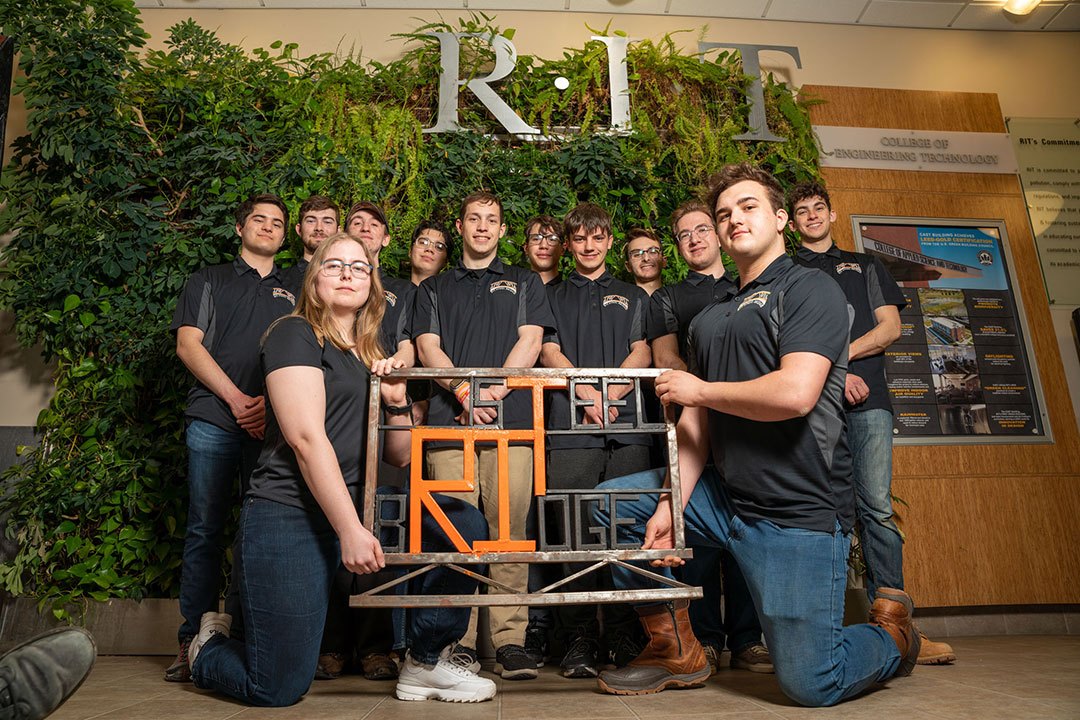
column 412, row 694
column 379, row 676
column 182, row 676
column 580, row 672
column 943, row 659
column 908, row 662
column 522, row 674
column 688, row 680
column 753, row 667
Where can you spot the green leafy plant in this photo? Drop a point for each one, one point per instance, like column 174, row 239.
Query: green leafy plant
column 125, row 182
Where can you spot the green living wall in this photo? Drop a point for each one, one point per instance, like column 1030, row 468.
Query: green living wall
column 132, row 162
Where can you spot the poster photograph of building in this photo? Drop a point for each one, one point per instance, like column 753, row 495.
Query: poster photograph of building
column 961, row 370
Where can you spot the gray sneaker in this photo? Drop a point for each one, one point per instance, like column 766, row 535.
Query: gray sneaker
column 37, row 676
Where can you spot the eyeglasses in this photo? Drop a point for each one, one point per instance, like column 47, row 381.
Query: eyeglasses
column 650, row 251
column 334, row 268
column 427, row 242
column 541, row 239
column 701, row 231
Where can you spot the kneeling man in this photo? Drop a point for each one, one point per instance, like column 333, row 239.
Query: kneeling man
column 765, row 394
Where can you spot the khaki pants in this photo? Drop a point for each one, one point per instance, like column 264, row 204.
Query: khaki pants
column 507, row 623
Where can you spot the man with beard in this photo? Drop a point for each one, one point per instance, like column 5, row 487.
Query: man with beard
column 319, row 219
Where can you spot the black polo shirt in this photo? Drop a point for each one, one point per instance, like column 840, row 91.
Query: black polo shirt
column 277, row 476
column 293, row 277
column 795, row 473
column 233, row 306
column 595, row 323
column 672, row 307
column 397, row 317
column 476, row 313
column 867, row 285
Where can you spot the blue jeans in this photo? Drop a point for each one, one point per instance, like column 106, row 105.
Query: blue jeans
column 288, row 560
column 215, row 457
column 870, row 434
column 739, row 628
column 796, row 579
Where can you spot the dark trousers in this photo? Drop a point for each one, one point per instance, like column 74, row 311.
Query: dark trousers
column 289, row 558
column 584, row 469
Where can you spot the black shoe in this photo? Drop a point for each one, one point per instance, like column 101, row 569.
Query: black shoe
column 536, row 645
column 37, row 676
column 580, row 659
column 513, row 663
column 180, row 670
column 624, row 648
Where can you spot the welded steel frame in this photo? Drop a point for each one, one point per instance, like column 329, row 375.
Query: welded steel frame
column 536, row 380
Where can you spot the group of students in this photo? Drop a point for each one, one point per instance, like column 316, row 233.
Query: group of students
column 759, row 366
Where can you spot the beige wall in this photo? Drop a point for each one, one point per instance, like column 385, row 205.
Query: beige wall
column 1033, row 74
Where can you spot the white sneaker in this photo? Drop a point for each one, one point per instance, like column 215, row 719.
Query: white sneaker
column 449, row 680
column 211, row 624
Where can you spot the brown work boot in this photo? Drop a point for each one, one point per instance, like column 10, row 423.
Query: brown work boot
column 673, row 656
column 935, row 653
column 330, row 666
column 892, row 611
column 378, row 666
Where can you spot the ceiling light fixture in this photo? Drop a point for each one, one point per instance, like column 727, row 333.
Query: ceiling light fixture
column 1020, row 7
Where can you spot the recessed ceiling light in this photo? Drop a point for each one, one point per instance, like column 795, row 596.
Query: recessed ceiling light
column 1020, row 7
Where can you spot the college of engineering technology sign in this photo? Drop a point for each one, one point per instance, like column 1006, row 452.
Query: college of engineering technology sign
column 925, row 150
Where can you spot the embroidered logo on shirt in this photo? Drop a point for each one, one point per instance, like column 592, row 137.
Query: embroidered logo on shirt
column 283, row 293
column 508, row 285
column 759, row 298
column 390, row 297
column 619, row 300
column 848, row 266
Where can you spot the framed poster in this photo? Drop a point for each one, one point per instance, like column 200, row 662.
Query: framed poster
column 963, row 370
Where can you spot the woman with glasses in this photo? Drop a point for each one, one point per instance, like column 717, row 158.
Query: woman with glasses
column 300, row 517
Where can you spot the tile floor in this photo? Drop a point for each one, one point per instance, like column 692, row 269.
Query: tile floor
column 996, row 677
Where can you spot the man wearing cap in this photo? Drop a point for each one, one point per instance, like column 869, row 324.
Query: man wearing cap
column 367, row 223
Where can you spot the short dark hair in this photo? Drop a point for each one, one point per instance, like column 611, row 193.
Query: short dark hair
column 690, row 206
column 484, row 198
column 804, row 191
column 436, row 226
column 545, row 222
column 314, row 203
column 634, row 234
column 733, row 174
column 243, row 210
column 588, row 216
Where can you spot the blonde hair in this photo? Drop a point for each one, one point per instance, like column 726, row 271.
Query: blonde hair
column 368, row 326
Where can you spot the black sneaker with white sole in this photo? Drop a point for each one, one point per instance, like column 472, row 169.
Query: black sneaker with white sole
column 513, row 663
column 580, row 658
